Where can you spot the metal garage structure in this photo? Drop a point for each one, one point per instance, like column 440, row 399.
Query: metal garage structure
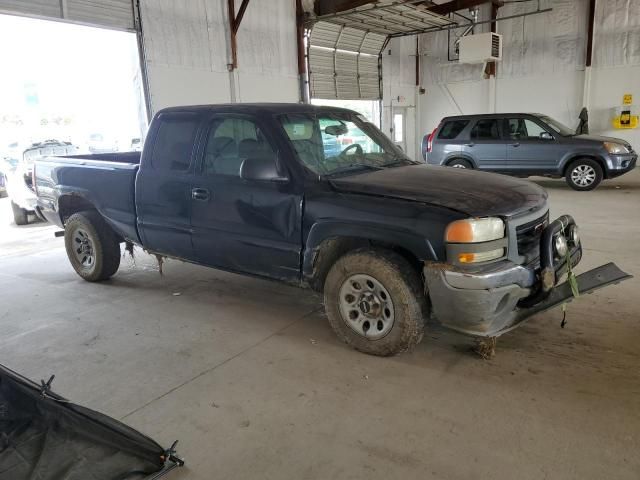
column 344, row 48
column 116, row 14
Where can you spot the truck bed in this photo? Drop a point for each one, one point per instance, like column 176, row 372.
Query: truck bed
column 104, row 181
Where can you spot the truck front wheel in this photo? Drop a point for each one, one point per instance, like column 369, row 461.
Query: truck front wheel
column 92, row 247
column 375, row 302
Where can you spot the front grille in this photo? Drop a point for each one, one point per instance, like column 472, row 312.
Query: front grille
column 528, row 236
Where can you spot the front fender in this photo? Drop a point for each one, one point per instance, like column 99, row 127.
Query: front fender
column 417, row 245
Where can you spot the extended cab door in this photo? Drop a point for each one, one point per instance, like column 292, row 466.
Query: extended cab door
column 244, row 226
column 163, row 184
column 485, row 145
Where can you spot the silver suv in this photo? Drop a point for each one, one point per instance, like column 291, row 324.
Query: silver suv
column 526, row 144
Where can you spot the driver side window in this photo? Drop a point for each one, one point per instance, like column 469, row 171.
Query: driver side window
column 230, row 141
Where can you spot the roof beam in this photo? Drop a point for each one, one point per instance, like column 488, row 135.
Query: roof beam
column 455, row 5
column 325, row 7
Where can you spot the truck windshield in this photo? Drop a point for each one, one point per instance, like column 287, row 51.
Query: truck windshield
column 556, row 126
column 332, row 144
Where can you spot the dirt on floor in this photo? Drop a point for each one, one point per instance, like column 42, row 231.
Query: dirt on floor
column 249, row 377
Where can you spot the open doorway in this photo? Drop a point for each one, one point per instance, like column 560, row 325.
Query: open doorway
column 68, row 83
column 64, row 89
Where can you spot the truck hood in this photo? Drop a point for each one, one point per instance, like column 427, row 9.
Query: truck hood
column 477, row 194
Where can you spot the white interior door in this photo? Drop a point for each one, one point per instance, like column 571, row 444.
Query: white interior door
column 399, row 127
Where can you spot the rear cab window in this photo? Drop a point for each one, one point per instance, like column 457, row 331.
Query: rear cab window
column 451, row 129
column 174, row 142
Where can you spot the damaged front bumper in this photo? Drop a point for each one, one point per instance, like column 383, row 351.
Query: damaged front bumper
column 490, row 300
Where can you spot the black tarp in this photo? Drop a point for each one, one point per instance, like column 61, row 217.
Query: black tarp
column 45, row 437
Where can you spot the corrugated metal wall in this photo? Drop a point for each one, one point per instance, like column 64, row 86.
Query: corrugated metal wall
column 187, row 52
column 117, row 14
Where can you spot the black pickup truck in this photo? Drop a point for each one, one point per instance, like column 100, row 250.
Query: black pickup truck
column 320, row 198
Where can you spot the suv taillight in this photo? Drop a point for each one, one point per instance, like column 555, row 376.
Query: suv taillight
column 430, row 139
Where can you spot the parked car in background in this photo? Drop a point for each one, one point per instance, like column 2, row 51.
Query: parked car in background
column 7, row 166
column 20, row 180
column 136, row 145
column 526, row 144
column 258, row 189
column 98, row 143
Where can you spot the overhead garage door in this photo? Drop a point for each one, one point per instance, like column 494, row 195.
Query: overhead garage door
column 344, row 62
column 344, row 47
column 117, row 14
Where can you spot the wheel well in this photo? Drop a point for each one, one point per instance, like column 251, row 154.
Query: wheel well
column 331, row 249
column 590, row 157
column 70, row 204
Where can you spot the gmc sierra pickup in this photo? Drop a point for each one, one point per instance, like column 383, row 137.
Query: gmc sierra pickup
column 262, row 189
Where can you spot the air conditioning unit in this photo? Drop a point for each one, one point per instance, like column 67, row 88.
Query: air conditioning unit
column 481, row 48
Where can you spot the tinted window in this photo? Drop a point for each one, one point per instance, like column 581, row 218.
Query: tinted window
column 485, row 130
column 174, row 143
column 452, row 129
column 230, row 141
column 522, row 128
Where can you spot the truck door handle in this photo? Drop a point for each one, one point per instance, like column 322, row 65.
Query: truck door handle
column 517, row 144
column 200, row 194
column 470, row 144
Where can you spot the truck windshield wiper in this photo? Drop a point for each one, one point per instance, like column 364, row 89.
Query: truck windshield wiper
column 353, row 168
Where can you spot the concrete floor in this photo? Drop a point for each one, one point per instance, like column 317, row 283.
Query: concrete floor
column 251, row 380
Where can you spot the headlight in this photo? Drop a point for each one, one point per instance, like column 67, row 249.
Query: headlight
column 475, row 230
column 560, row 245
column 615, row 148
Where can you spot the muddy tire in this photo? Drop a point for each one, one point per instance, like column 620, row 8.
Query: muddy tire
column 92, row 246
column 375, row 302
column 460, row 163
column 20, row 215
column 584, row 174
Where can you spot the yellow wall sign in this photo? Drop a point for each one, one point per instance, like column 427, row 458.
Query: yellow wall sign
column 627, row 99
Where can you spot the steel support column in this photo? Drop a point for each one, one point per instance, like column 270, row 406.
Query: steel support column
column 234, row 25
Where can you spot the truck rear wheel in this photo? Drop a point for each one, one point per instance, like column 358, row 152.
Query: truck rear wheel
column 20, row 215
column 92, row 247
column 584, row 174
column 375, row 302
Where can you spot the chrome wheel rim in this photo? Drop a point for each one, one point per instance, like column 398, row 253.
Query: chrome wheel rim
column 583, row 175
column 458, row 165
column 366, row 306
column 83, row 249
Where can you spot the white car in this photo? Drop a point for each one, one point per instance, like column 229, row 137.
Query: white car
column 20, row 182
column 97, row 143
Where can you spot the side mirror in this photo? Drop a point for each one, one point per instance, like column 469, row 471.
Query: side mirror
column 546, row 136
column 261, row 169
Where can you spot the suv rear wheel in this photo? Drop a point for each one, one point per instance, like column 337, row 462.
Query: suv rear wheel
column 584, row 174
column 459, row 163
column 375, row 302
